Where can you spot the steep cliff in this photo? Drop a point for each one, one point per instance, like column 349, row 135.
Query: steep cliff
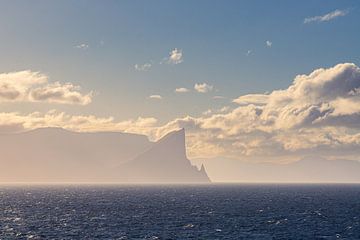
column 58, row 155
column 165, row 161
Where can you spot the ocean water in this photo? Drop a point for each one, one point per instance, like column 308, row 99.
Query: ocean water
column 180, row 212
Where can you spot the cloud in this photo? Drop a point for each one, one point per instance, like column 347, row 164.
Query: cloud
column 29, row 86
column 327, row 17
column 155, row 97
column 268, row 43
column 175, row 56
column 248, row 52
column 15, row 122
column 318, row 114
column 57, row 93
column 143, row 67
column 182, row 90
column 256, row 99
column 318, row 99
column 203, row 87
column 82, row 46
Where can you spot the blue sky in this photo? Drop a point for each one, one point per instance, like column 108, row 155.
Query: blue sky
column 214, row 37
column 115, row 66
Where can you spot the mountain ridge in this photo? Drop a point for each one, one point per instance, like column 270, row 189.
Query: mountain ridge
column 175, row 166
column 59, row 155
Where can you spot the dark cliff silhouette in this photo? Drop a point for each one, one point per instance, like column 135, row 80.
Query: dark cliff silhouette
column 166, row 161
column 58, row 155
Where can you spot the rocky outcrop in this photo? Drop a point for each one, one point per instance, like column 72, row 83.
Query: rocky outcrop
column 58, row 155
column 165, row 161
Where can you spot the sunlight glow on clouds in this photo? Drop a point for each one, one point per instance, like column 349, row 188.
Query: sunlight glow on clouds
column 319, row 113
column 29, row 86
column 175, row 57
column 155, row 97
column 182, row 90
column 327, row 17
column 203, row 87
column 12, row 122
column 256, row 99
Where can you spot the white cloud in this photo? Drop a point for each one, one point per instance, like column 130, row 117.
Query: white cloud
column 155, row 97
column 327, row 17
column 82, row 46
column 143, row 67
column 58, row 93
column 15, row 122
column 268, row 43
column 175, row 56
column 318, row 114
column 182, row 90
column 29, row 86
column 248, row 52
column 203, row 87
column 256, row 99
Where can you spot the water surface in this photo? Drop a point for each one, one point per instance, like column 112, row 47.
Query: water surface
column 180, row 212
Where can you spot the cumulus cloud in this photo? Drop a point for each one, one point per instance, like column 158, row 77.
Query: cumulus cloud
column 58, row 93
column 175, row 56
column 321, row 98
column 159, row 97
column 182, row 90
column 142, row 67
column 29, row 86
column 327, row 17
column 318, row 114
column 268, row 43
column 203, row 87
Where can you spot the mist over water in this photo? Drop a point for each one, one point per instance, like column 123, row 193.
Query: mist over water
column 180, row 212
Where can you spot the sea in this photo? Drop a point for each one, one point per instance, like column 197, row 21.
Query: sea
column 215, row 211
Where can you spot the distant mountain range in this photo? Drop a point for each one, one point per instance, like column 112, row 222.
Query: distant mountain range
column 58, row 155
column 306, row 170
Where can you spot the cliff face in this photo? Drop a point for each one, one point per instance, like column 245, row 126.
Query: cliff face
column 57, row 155
column 165, row 161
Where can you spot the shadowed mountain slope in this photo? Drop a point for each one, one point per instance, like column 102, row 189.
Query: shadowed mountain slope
column 165, row 161
column 58, row 155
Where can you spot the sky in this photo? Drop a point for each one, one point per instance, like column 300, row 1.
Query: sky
column 215, row 68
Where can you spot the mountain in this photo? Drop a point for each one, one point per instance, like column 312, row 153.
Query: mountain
column 166, row 161
column 306, row 170
column 58, row 155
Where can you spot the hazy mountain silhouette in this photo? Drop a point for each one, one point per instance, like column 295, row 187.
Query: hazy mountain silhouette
column 306, row 170
column 58, row 155
column 166, row 161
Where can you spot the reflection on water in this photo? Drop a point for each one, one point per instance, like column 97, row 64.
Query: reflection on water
column 180, row 212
